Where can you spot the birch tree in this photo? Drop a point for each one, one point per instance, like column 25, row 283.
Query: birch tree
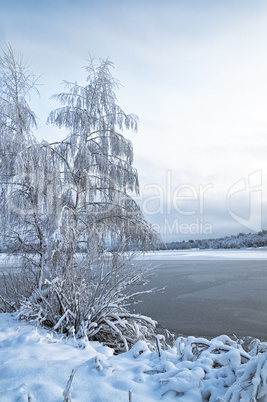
column 22, row 226
column 97, row 209
column 17, row 119
column 97, row 163
column 73, row 199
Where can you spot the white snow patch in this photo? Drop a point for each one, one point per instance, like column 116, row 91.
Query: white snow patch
column 36, row 365
column 251, row 254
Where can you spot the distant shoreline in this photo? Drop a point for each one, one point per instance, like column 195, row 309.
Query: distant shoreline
column 240, row 241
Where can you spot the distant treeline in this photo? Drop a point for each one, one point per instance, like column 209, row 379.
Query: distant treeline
column 242, row 240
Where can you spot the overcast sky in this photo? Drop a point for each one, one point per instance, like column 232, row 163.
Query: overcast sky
column 195, row 72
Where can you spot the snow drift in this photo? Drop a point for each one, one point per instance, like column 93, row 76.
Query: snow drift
column 39, row 365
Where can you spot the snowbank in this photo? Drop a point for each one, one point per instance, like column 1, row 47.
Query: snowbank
column 36, row 365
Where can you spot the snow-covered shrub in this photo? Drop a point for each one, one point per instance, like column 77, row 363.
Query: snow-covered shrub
column 213, row 370
column 93, row 307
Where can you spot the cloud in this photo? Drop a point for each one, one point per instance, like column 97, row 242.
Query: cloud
column 194, row 72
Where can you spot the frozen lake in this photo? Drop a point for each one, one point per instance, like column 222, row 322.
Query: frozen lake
column 209, row 292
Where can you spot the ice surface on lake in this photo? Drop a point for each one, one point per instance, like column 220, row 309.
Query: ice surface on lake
column 246, row 254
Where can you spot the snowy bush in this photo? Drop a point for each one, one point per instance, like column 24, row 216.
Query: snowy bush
column 94, row 307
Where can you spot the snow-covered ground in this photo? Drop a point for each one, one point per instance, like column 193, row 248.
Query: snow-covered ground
column 36, row 366
column 245, row 254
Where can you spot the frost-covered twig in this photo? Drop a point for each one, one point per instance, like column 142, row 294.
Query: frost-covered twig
column 67, row 391
column 8, row 303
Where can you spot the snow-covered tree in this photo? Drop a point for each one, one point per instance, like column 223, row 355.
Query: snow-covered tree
column 77, row 223
column 23, row 173
column 17, row 119
column 96, row 161
column 96, row 211
column 17, row 83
